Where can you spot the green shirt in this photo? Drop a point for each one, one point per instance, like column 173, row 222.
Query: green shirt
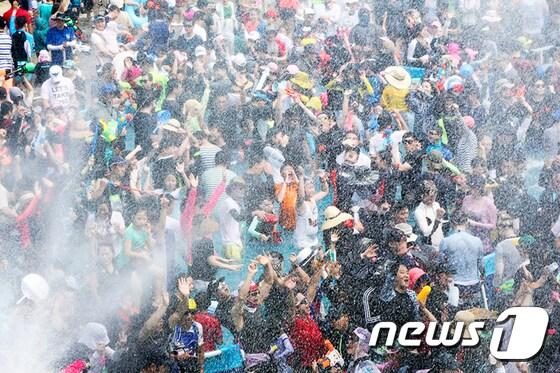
column 138, row 239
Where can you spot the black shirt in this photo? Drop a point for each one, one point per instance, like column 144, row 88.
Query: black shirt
column 144, row 125
column 188, row 45
column 200, row 269
column 329, row 145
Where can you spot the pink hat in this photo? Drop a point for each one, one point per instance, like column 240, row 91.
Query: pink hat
column 292, row 69
column 469, row 121
column 273, row 67
column 453, row 48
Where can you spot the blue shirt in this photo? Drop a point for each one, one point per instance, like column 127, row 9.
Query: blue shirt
column 57, row 37
column 463, row 251
column 158, row 32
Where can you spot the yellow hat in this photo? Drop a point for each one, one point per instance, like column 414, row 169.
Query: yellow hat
column 308, row 41
column 302, row 80
column 315, row 104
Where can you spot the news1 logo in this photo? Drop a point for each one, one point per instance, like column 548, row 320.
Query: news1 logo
column 526, row 339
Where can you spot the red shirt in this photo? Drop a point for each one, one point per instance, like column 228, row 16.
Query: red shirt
column 20, row 12
column 307, row 339
column 211, row 330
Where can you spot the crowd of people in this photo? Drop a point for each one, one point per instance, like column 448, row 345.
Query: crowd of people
column 212, row 186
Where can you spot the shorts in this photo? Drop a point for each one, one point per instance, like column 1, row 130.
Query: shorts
column 233, row 251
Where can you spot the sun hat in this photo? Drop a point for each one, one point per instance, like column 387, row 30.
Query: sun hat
column 242, row 82
column 301, row 79
column 491, row 16
column 397, row 77
column 93, row 334
column 387, row 43
column 34, row 287
column 334, row 217
column 407, row 230
column 173, row 125
column 467, row 318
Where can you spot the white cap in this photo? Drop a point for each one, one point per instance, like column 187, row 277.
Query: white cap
column 55, row 72
column 239, row 60
column 118, row 3
column 200, row 51
column 253, row 35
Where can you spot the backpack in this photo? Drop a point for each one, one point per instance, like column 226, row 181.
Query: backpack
column 18, row 46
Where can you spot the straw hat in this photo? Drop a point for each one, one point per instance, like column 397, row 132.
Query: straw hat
column 467, row 318
column 242, row 82
column 301, row 79
column 334, row 217
column 491, row 16
column 398, row 77
column 407, row 230
column 173, row 126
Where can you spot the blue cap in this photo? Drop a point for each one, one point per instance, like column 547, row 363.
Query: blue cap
column 163, row 116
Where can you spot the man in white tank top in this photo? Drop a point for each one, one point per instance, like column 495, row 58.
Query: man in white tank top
column 307, row 219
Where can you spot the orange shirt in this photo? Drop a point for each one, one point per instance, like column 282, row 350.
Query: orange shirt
column 288, row 206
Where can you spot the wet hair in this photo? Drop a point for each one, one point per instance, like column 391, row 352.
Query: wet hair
column 20, row 22
column 385, row 119
column 385, row 156
column 200, row 135
column 6, row 108
column 202, row 301
column 275, row 131
column 459, row 218
column 476, row 162
column 221, row 158
column 2, row 23
column 396, row 208
column 477, row 182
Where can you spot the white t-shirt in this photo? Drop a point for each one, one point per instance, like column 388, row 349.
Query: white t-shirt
column 363, row 159
column 230, row 229
column 378, row 143
column 4, row 203
column 106, row 39
column 58, row 94
column 425, row 217
column 305, row 234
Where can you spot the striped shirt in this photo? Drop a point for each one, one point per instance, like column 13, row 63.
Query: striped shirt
column 6, row 62
column 211, row 178
column 207, row 155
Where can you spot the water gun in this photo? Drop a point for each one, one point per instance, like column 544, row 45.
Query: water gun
column 331, row 358
column 27, row 68
column 68, row 21
column 423, row 295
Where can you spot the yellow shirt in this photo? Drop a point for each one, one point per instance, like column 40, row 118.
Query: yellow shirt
column 393, row 98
